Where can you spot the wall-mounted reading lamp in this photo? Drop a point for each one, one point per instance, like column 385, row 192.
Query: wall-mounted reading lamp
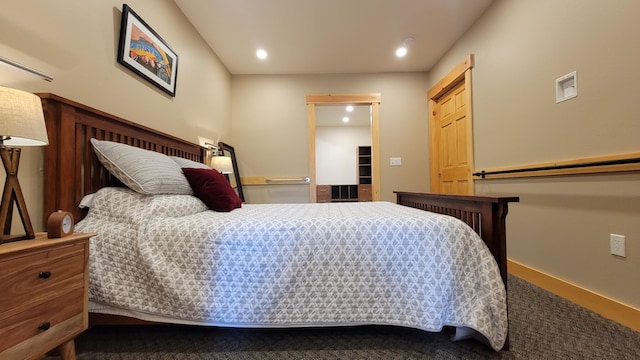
column 218, row 161
column 213, row 149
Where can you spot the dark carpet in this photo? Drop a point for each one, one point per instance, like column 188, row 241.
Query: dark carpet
column 542, row 325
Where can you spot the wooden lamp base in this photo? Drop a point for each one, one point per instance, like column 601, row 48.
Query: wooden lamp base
column 13, row 193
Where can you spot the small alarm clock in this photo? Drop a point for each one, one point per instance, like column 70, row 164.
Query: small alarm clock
column 60, row 224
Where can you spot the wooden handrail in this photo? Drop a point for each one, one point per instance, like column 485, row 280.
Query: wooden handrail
column 603, row 164
column 261, row 180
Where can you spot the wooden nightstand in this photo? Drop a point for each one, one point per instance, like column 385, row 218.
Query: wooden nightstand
column 43, row 295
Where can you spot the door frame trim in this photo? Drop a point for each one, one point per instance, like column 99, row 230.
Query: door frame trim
column 372, row 99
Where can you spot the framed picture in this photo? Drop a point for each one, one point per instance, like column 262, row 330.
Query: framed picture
column 144, row 52
column 228, row 150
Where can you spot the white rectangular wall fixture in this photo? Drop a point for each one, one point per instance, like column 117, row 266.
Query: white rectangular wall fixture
column 566, row 87
column 395, row 161
column 617, row 245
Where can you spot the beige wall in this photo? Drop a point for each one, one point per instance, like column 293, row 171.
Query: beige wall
column 76, row 42
column 269, row 126
column 562, row 224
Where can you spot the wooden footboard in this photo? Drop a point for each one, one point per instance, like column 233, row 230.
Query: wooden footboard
column 485, row 215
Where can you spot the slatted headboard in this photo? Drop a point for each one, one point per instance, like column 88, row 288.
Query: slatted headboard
column 72, row 170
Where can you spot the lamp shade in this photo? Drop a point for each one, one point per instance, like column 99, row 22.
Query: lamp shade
column 21, row 119
column 222, row 164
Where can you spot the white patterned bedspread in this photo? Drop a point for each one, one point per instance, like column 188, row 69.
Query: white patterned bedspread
column 292, row 264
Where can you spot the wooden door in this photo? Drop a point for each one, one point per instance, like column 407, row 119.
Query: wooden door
column 451, row 132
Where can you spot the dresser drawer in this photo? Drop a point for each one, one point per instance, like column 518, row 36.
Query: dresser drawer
column 43, row 295
column 40, row 276
column 365, row 193
column 43, row 320
column 323, row 193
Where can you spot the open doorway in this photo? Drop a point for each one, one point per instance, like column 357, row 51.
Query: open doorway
column 371, row 103
column 340, row 131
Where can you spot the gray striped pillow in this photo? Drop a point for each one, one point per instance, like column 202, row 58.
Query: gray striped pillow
column 143, row 171
column 186, row 163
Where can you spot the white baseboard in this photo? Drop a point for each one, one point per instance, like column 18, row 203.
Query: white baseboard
column 609, row 308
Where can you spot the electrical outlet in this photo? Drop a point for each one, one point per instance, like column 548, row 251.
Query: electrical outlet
column 617, row 245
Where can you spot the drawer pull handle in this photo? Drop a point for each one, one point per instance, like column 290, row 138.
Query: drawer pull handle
column 44, row 326
column 44, row 274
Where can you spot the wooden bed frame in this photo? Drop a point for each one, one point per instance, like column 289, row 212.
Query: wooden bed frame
column 72, row 170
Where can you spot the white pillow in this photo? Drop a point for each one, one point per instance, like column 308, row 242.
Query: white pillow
column 143, row 171
column 186, row 163
column 87, row 201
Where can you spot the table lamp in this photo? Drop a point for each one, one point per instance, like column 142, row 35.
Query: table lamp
column 21, row 124
column 222, row 164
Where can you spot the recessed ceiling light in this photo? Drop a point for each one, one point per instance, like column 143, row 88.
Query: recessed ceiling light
column 345, row 119
column 261, row 54
column 403, row 49
column 349, row 108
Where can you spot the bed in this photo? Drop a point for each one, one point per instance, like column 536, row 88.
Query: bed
column 315, row 264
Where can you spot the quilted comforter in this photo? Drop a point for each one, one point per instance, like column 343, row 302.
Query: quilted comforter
column 281, row 265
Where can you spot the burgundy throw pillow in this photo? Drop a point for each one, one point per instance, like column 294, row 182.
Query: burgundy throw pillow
column 213, row 189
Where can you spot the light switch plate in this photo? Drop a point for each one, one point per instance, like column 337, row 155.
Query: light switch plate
column 395, row 161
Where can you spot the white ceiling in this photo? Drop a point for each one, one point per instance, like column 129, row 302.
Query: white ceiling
column 330, row 36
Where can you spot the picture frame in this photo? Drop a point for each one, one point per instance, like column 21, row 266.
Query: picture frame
column 144, row 52
column 228, row 150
